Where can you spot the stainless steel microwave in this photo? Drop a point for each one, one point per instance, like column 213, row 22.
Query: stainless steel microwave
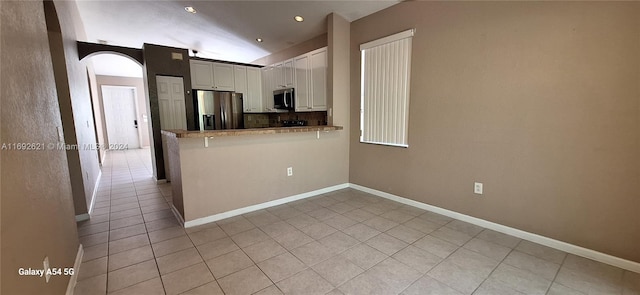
column 284, row 99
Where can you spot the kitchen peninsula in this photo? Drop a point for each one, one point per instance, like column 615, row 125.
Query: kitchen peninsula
column 252, row 131
column 215, row 172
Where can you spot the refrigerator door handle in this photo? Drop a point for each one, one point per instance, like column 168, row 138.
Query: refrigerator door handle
column 285, row 99
column 223, row 114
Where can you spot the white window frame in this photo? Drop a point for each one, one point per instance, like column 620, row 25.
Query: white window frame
column 384, row 98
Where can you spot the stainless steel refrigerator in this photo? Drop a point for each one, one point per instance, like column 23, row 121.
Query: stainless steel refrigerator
column 219, row 110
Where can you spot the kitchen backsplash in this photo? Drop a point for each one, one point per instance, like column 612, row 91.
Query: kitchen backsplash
column 275, row 119
column 256, row 120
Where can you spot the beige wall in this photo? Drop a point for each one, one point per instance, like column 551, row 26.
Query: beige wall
column 293, row 51
column 235, row 172
column 537, row 100
column 72, row 85
column 138, row 83
column 338, row 71
column 98, row 114
column 37, row 207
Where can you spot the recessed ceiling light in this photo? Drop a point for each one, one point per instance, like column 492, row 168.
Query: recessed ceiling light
column 259, row 39
column 190, row 9
column 298, row 18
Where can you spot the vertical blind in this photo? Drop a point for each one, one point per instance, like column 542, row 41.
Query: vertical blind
column 384, row 105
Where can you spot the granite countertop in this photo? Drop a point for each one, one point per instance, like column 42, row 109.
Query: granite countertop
column 254, row 131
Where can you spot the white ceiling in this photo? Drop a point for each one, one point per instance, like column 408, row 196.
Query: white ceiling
column 224, row 30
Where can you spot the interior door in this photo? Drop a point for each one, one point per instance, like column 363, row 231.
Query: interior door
column 173, row 114
column 120, row 115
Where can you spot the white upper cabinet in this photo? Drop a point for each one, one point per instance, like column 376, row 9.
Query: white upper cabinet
column 240, row 79
column 211, row 76
column 201, row 74
column 278, row 76
column 318, row 63
column 223, row 77
column 268, row 86
column 307, row 74
column 252, row 97
column 301, row 66
column 288, row 74
column 311, row 81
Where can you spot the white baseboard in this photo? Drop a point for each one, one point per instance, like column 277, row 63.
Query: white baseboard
column 220, row 216
column 549, row 242
column 82, row 217
column 161, row 181
column 95, row 191
column 76, row 269
column 176, row 213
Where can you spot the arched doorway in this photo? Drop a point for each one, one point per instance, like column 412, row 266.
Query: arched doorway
column 120, row 109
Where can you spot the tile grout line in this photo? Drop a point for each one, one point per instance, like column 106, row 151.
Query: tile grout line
column 146, row 230
column 494, row 269
column 557, row 273
column 106, row 287
column 109, row 254
column 203, row 260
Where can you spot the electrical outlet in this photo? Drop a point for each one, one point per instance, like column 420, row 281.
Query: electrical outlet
column 45, row 264
column 477, row 188
column 290, row 171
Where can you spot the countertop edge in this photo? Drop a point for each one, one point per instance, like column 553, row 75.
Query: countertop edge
column 253, row 131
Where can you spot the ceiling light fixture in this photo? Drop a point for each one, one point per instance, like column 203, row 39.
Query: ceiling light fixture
column 298, row 18
column 190, row 9
column 259, row 39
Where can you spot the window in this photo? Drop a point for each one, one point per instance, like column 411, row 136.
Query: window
column 384, row 89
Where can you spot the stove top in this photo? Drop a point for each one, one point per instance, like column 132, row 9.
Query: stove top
column 293, row 123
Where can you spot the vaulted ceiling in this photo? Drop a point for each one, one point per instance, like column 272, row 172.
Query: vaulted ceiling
column 224, row 30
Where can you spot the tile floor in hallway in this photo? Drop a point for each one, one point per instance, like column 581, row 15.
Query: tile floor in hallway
column 345, row 242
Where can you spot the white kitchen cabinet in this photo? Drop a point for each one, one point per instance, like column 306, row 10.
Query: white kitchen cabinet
column 201, row 74
column 254, row 91
column 306, row 73
column 311, row 81
column 267, row 88
column 211, row 76
column 318, row 64
column 278, row 76
column 240, row 79
column 302, row 73
column 248, row 82
column 288, row 77
column 223, row 77
column 282, row 75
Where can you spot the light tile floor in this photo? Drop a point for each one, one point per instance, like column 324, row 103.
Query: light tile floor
column 343, row 242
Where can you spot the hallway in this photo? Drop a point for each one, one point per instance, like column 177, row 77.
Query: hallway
column 130, row 212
